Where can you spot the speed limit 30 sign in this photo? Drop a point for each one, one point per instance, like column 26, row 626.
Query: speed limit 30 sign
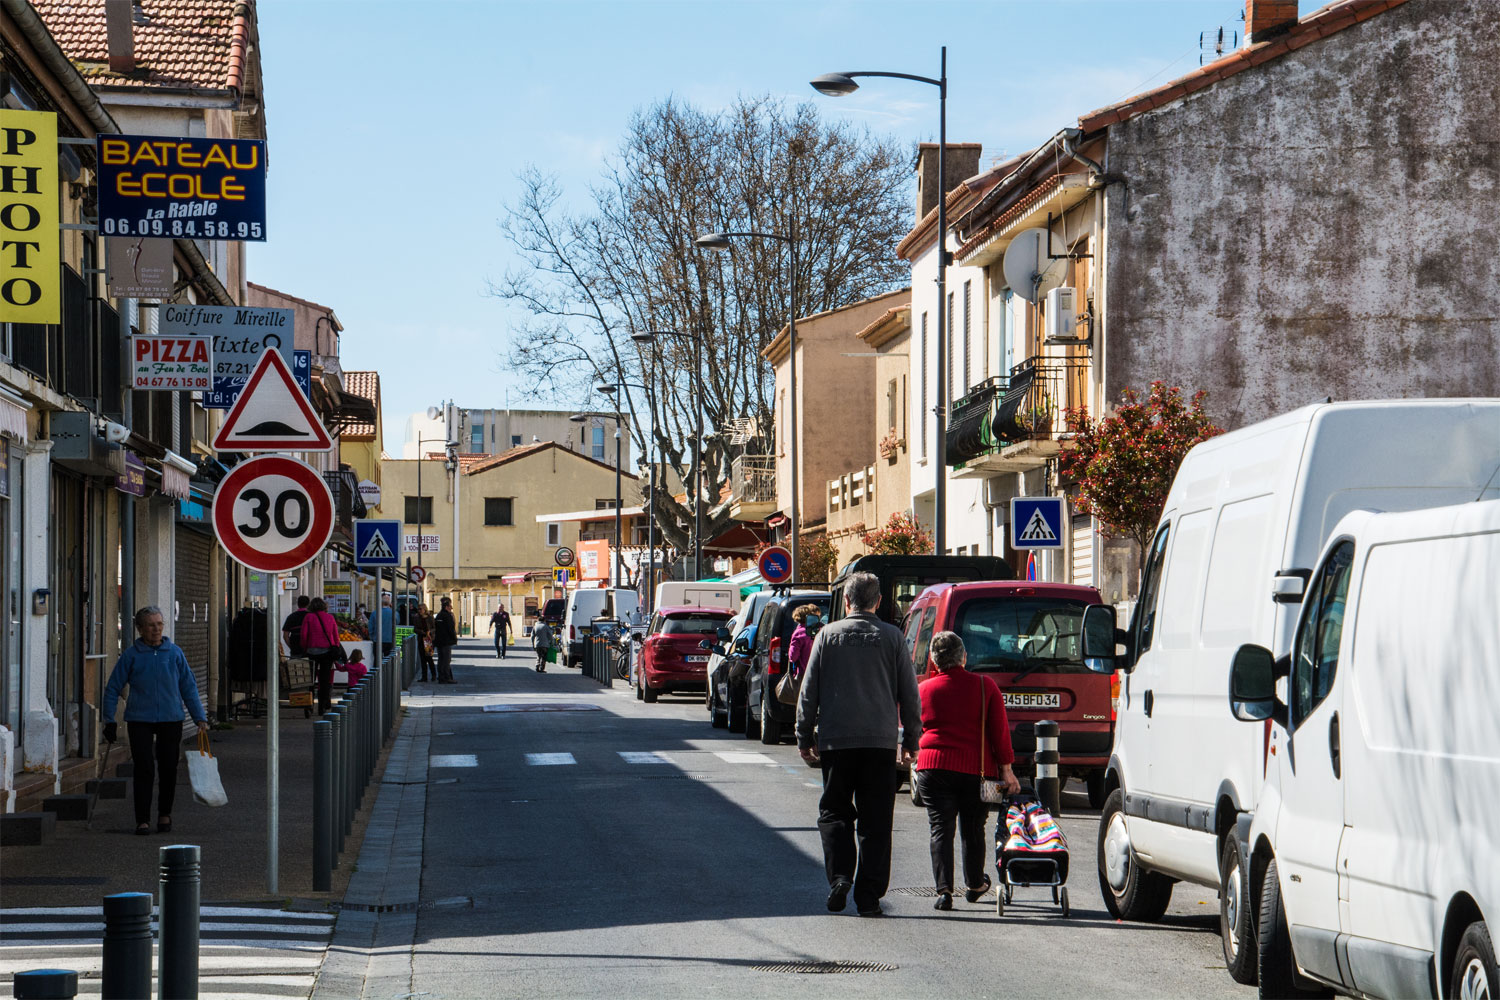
column 273, row 513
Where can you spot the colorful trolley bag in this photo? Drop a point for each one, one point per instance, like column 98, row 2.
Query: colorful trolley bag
column 1030, row 850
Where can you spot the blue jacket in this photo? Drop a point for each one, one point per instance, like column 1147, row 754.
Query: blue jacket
column 160, row 682
column 387, row 628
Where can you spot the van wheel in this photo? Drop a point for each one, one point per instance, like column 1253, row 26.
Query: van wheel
column 1276, row 965
column 1475, row 975
column 1235, row 926
column 1094, row 782
column 770, row 728
column 1129, row 892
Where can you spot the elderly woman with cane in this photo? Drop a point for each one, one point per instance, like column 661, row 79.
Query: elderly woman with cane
column 161, row 683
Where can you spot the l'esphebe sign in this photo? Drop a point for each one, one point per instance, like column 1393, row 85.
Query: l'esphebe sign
column 168, row 363
column 167, row 186
column 30, row 241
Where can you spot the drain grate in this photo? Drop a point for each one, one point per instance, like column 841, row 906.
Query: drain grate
column 824, row 968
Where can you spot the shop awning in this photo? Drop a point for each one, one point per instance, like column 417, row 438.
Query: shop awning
column 514, row 578
column 13, row 416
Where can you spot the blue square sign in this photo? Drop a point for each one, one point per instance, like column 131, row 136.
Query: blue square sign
column 1037, row 522
column 377, row 543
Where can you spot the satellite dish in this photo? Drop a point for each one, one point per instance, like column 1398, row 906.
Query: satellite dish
column 433, row 413
column 1030, row 273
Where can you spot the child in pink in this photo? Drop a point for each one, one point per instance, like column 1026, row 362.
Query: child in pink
column 356, row 667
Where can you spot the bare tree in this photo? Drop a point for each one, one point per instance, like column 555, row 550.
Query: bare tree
column 629, row 264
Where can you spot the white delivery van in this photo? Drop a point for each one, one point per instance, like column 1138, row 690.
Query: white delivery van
column 615, row 604
column 697, row 594
column 1242, row 526
column 1376, row 835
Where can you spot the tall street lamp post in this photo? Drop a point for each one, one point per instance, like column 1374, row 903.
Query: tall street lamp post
column 449, row 447
column 649, row 337
column 721, row 241
column 612, row 390
column 579, row 418
column 839, row 85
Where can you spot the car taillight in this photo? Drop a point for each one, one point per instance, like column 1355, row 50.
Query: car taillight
column 1114, row 695
column 774, row 666
column 572, row 631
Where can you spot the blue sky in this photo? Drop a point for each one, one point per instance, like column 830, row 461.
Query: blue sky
column 396, row 129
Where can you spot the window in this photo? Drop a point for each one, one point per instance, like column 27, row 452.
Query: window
column 606, row 504
column 416, row 506
column 515, row 440
column 948, row 344
column 1006, row 331
column 923, row 353
column 599, row 443
column 890, row 404
column 924, row 640
column 476, row 438
column 1315, row 657
column 1144, row 623
column 693, row 623
column 1030, row 634
column 497, row 511
column 967, row 316
column 554, row 534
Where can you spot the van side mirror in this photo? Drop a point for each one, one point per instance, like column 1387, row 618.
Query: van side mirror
column 1288, row 586
column 1101, row 640
column 1252, row 685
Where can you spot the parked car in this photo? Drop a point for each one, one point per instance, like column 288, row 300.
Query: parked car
column 1241, row 529
column 1375, row 837
column 672, row 657
column 698, row 594
column 554, row 611
column 1027, row 636
column 903, row 578
column 766, row 718
column 584, row 607
column 728, row 662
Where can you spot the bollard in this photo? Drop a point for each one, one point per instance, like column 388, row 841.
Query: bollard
column 1048, row 787
column 322, row 805
column 177, row 961
column 336, row 722
column 607, row 662
column 45, row 984
column 126, row 974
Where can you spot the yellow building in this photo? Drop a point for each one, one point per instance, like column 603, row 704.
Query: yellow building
column 495, row 549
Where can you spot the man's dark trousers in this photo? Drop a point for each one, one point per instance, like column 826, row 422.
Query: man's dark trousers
column 858, row 801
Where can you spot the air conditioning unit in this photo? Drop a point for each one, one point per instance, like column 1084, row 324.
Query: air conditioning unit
column 1062, row 314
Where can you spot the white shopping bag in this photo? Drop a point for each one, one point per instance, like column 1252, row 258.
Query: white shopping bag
column 203, row 774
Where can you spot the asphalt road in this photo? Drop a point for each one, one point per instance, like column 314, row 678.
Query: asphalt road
column 639, row 861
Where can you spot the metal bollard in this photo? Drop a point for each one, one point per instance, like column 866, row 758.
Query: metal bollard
column 45, row 984
column 336, row 811
column 1048, row 787
column 177, row 961
column 322, row 805
column 126, row 974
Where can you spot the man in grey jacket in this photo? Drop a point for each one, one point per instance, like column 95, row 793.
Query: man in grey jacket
column 857, row 677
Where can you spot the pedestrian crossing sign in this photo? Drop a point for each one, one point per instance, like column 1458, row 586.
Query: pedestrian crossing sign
column 377, row 543
column 1037, row 522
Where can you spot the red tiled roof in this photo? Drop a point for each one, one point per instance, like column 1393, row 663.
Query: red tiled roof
column 491, row 461
column 365, row 385
column 1319, row 24
column 1029, row 200
column 200, row 45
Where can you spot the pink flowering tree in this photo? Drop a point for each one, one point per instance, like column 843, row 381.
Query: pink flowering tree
column 1124, row 462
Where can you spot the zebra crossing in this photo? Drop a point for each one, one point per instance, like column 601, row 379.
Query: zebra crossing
column 639, row 757
column 245, row 951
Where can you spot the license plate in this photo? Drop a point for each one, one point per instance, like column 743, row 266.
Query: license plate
column 1033, row 699
column 697, row 659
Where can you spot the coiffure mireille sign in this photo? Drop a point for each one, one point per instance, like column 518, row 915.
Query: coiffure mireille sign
column 166, row 187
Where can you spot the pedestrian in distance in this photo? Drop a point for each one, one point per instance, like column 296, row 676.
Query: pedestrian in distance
column 320, row 642
column 387, row 620
column 356, row 667
column 445, row 637
column 859, row 685
column 160, row 684
column 500, row 626
column 542, row 638
column 809, row 619
column 423, row 627
column 291, row 629
column 965, row 737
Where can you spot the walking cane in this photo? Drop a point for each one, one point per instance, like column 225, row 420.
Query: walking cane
column 99, row 782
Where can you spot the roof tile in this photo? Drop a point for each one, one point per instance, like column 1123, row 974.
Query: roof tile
column 181, row 44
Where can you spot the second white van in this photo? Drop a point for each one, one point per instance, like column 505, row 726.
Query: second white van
column 1241, row 529
column 615, row 604
column 697, row 594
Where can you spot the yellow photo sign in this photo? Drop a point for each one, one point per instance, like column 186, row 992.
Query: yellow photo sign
column 30, row 242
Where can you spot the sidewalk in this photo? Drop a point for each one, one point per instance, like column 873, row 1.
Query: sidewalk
column 80, row 866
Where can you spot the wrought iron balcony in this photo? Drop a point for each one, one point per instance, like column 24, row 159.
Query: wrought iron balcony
column 752, row 486
column 348, row 505
column 1029, row 405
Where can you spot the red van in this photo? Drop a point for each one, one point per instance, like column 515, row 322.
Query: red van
column 1028, row 636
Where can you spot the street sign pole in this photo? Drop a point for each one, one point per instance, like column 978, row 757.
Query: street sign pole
column 273, row 735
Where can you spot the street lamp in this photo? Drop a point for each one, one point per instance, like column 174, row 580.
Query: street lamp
column 649, row 337
column 840, row 85
column 579, row 418
column 721, row 241
column 448, row 463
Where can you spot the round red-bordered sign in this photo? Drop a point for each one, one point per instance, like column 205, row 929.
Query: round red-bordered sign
column 417, row 574
column 775, row 564
column 273, row 513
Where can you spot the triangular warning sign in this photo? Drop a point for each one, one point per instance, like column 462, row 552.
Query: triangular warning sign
column 271, row 414
column 1037, row 529
column 376, row 549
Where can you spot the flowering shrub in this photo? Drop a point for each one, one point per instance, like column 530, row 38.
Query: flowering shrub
column 818, row 558
column 888, row 445
column 901, row 536
column 1124, row 463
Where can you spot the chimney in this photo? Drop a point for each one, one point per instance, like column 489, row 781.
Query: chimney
column 1268, row 18
column 119, row 25
column 962, row 162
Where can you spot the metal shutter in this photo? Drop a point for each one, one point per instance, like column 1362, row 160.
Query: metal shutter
column 1082, row 546
column 193, row 604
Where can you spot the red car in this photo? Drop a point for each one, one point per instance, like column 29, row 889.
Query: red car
column 672, row 657
column 1028, row 636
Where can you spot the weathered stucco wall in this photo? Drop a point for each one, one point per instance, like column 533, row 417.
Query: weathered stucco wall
column 1322, row 225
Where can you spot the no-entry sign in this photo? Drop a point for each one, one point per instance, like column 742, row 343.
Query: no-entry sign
column 273, row 513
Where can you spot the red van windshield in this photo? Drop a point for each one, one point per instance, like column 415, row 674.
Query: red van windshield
column 1014, row 634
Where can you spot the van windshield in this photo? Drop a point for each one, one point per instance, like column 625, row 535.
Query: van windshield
column 1014, row 634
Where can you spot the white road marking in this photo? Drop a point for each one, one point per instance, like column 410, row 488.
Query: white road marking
column 452, row 760
column 741, row 757
column 550, row 758
column 642, row 757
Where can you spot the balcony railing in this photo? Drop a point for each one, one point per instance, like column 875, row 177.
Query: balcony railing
column 348, row 505
column 753, row 479
column 1028, row 405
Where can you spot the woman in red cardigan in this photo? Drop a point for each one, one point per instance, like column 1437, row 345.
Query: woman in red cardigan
column 950, row 761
